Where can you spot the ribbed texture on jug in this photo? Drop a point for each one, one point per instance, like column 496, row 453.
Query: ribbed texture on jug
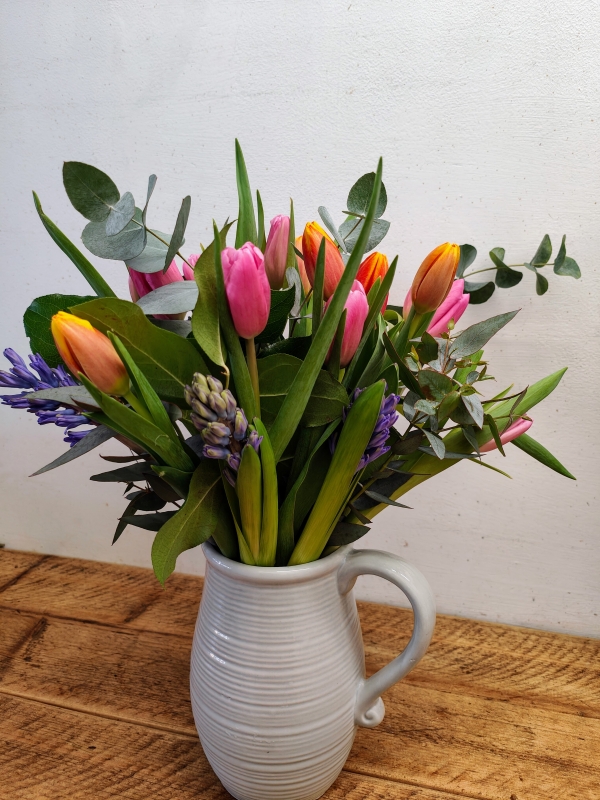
column 274, row 674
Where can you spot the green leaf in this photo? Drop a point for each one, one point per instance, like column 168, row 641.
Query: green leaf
column 281, row 305
column 89, row 272
column 205, row 319
column 539, row 452
column 90, row 190
column 291, row 254
column 124, row 246
column 560, row 256
column 497, row 256
column 70, row 396
column 569, row 267
column 491, row 423
column 541, row 283
column 346, row 533
column 350, row 231
column 204, row 514
column 167, row 360
column 333, row 365
column 94, row 438
column 151, row 185
column 278, row 374
column 36, row 321
column 270, row 503
column 360, row 195
column 150, row 522
column 174, row 298
column 331, row 226
column 262, row 239
column 382, row 498
column 297, row 346
column 507, row 277
column 178, row 236
column 139, row 501
column 437, row 444
column 120, row 215
column 434, row 384
column 543, row 253
column 319, row 281
column 468, row 253
column 176, row 478
column 479, row 292
column 478, row 335
column 425, row 407
column 129, row 474
column 152, row 257
column 246, row 224
column 474, row 407
column 248, row 488
column 293, row 407
column 352, row 442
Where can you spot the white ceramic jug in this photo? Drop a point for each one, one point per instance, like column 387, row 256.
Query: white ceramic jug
column 277, row 675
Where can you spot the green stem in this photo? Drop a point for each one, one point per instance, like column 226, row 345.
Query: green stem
column 253, row 370
column 156, row 236
column 510, row 266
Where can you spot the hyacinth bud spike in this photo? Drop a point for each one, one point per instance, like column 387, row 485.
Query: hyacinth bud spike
column 230, row 404
column 218, row 404
column 254, row 440
column 203, row 411
column 214, row 384
column 233, row 461
column 199, row 422
column 217, row 433
column 241, row 425
column 199, row 382
column 189, row 395
column 211, row 451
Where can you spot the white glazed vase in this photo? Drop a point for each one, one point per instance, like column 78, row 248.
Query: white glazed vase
column 278, row 675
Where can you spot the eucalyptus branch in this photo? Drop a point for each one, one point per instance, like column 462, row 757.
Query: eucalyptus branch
column 509, row 266
column 166, row 244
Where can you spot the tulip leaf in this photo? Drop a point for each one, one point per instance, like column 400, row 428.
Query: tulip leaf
column 468, row 253
column 543, row 253
column 346, row 533
column 360, row 195
column 568, row 267
column 94, row 438
column 539, row 452
column 246, row 224
column 205, row 318
column 541, row 283
column 297, row 346
column 151, row 185
column 350, row 231
column 123, row 246
column 174, row 298
column 507, row 277
column 292, row 277
column 204, row 514
column 282, row 302
column 294, row 404
column 331, row 226
column 152, row 257
column 277, row 374
column 120, row 215
column 178, row 235
column 270, row 503
column 88, row 270
column 36, row 321
column 90, row 190
column 261, row 238
column 166, row 359
column 479, row 292
column 290, row 262
column 318, row 284
column 478, row 335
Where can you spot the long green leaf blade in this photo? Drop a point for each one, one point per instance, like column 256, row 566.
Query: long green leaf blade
column 539, row 452
column 270, row 507
column 246, row 224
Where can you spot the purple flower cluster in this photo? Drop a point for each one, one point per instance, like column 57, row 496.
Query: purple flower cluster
column 377, row 443
column 48, row 412
column 222, row 424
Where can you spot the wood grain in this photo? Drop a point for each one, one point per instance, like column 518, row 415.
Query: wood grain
column 492, row 712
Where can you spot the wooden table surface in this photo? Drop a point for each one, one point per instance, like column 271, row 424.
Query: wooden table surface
column 94, row 698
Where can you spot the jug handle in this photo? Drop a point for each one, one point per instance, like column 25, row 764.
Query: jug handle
column 369, row 709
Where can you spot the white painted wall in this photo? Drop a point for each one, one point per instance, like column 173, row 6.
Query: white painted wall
column 486, row 115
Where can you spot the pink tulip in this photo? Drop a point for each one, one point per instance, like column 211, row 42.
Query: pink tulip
column 452, row 308
column 516, row 429
column 188, row 271
column 142, row 283
column 247, row 288
column 276, row 250
column 357, row 309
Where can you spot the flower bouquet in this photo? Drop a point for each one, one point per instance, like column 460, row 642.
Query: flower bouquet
column 273, row 424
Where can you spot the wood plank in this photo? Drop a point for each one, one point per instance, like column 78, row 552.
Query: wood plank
column 14, row 564
column 470, row 745
column 52, row 753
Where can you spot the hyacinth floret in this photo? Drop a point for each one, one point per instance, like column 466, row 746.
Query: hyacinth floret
column 221, row 422
column 48, row 412
column 376, row 447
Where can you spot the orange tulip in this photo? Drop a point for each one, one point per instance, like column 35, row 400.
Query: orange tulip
column 334, row 265
column 374, row 266
column 301, row 268
column 434, row 278
column 86, row 350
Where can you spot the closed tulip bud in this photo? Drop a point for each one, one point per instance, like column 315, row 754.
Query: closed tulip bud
column 142, row 283
column 450, row 311
column 276, row 250
column 247, row 289
column 357, row 308
column 373, row 267
column 86, row 350
column 334, row 264
column 301, row 268
column 434, row 278
column 512, row 432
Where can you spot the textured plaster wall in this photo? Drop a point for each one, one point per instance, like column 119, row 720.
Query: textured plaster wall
column 486, row 115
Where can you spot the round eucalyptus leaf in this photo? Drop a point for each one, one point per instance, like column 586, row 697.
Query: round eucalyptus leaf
column 125, row 245
column 174, row 298
column 541, row 283
column 152, row 257
column 468, row 253
column 507, row 277
column 351, row 228
column 479, row 292
column 90, row 190
column 360, row 194
column 120, row 215
column 568, row 267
